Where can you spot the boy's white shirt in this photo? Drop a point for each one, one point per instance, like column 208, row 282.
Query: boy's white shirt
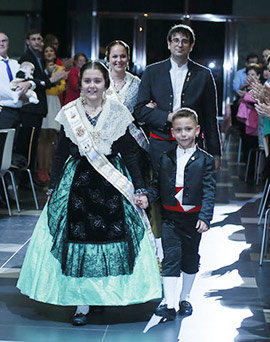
column 182, row 157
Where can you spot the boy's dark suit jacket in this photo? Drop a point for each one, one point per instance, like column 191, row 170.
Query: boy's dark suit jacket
column 39, row 75
column 199, row 182
column 199, row 93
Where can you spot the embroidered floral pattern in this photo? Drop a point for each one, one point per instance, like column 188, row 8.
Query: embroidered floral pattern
column 88, row 243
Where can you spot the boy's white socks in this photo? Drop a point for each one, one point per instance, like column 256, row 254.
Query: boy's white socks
column 83, row 309
column 169, row 287
column 187, row 283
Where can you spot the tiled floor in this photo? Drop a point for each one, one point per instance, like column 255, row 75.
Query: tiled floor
column 231, row 295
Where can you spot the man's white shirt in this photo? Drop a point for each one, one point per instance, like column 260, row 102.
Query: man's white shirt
column 182, row 157
column 178, row 76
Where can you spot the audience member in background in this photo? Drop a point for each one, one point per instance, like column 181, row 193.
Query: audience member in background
column 265, row 55
column 9, row 117
column 261, row 93
column 247, row 114
column 50, row 127
column 239, row 81
column 66, row 63
column 52, row 40
column 73, row 89
column 32, row 114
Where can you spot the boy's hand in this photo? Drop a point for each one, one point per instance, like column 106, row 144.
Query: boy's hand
column 141, row 201
column 201, row 226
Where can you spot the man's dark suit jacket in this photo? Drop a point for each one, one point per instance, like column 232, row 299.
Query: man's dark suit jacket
column 199, row 182
column 39, row 75
column 199, row 93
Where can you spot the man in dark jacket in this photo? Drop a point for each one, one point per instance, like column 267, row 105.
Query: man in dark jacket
column 174, row 83
column 32, row 114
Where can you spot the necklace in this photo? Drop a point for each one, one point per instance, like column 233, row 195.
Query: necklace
column 92, row 111
column 118, row 84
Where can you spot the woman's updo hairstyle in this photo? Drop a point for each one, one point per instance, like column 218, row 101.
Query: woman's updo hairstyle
column 96, row 66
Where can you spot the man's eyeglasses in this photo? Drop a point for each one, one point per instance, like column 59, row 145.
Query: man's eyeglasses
column 4, row 41
column 182, row 41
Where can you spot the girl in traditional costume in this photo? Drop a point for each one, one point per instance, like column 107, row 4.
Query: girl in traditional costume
column 92, row 245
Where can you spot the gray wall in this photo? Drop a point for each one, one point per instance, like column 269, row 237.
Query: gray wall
column 253, row 37
column 16, row 19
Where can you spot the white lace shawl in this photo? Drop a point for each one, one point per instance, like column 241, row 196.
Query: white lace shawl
column 128, row 94
column 111, row 124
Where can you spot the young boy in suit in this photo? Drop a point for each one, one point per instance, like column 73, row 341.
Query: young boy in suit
column 185, row 183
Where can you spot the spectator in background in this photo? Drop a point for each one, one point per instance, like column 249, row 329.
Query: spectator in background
column 32, row 114
column 66, row 63
column 239, row 81
column 51, row 39
column 261, row 93
column 9, row 117
column 49, row 128
column 73, row 89
column 247, row 114
column 265, row 54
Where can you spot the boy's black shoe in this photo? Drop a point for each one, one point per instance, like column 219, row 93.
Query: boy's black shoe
column 165, row 313
column 79, row 319
column 185, row 308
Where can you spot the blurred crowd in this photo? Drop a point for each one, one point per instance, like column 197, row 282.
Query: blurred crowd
column 251, row 107
column 32, row 91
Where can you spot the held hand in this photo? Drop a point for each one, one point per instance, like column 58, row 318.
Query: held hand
column 151, row 104
column 141, row 201
column 201, row 226
column 22, row 87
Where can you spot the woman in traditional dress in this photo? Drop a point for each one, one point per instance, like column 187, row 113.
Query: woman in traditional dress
column 92, row 245
column 124, row 86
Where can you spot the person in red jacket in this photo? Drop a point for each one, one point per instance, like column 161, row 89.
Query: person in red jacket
column 73, row 90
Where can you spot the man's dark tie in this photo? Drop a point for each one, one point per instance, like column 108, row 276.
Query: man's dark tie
column 8, row 70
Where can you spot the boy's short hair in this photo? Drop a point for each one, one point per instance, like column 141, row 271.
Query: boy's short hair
column 186, row 113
